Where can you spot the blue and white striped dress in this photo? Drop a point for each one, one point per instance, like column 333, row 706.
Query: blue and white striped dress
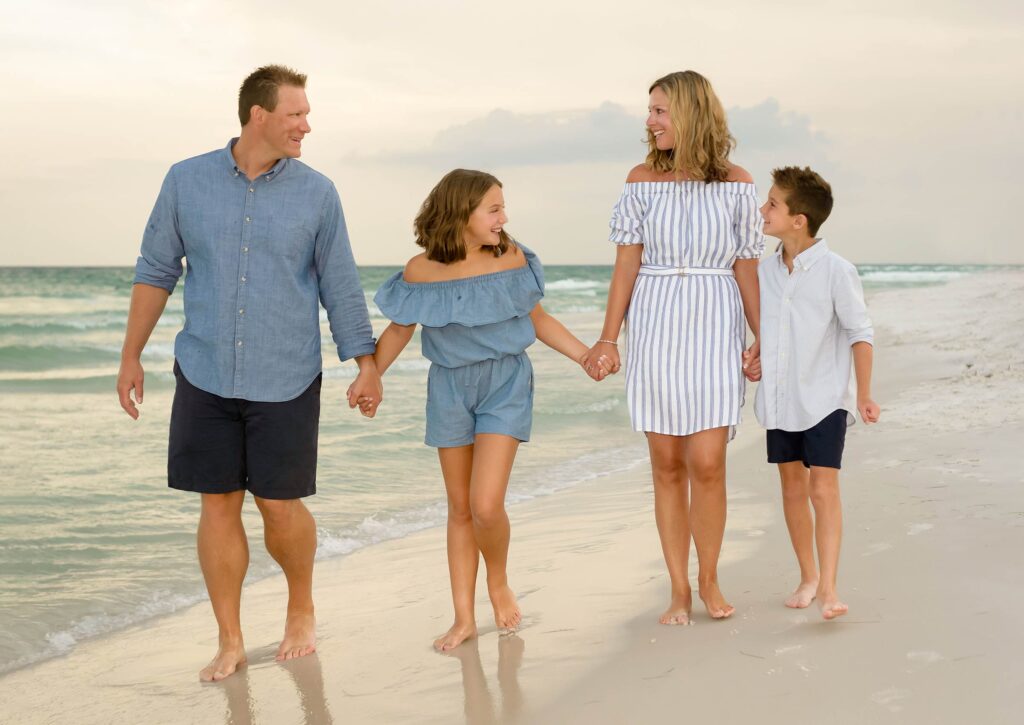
column 685, row 324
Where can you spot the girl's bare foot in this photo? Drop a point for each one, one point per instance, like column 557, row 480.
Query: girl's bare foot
column 230, row 656
column 299, row 637
column 831, row 607
column 714, row 602
column 802, row 596
column 455, row 636
column 678, row 611
column 506, row 610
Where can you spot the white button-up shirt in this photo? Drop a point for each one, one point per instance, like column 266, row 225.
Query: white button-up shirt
column 810, row 318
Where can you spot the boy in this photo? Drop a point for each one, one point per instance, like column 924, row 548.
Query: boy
column 813, row 321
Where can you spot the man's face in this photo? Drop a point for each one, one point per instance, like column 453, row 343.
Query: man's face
column 284, row 128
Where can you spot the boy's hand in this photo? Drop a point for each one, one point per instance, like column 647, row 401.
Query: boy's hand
column 869, row 410
column 752, row 362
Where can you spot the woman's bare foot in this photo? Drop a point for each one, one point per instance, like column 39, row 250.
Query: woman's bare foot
column 299, row 637
column 831, row 607
column 714, row 601
column 455, row 636
column 506, row 610
column 230, row 656
column 802, row 596
column 678, row 611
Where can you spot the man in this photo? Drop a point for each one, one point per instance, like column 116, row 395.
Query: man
column 265, row 241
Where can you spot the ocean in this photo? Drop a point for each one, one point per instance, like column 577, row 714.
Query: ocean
column 93, row 541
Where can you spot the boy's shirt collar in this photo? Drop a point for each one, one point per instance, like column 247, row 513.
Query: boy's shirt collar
column 807, row 258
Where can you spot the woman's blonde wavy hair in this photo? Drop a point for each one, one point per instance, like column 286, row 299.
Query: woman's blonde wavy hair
column 441, row 222
column 702, row 138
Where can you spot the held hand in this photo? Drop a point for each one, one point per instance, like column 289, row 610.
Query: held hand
column 752, row 362
column 597, row 369
column 366, row 391
column 591, row 361
column 130, row 377
column 869, row 410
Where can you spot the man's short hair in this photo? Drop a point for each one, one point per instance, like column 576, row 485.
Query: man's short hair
column 260, row 88
column 805, row 193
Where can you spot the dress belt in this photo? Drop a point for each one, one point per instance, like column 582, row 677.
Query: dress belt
column 652, row 270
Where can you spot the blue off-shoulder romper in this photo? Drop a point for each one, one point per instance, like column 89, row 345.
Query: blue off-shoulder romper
column 475, row 334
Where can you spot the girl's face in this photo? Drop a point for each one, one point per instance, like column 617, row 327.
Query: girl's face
column 486, row 221
column 659, row 122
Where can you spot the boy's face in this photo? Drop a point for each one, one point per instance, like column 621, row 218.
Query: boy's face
column 778, row 222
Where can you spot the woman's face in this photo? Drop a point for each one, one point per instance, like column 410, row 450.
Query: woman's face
column 486, row 221
column 659, row 122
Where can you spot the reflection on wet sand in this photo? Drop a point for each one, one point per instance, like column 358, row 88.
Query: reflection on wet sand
column 307, row 675
column 480, row 707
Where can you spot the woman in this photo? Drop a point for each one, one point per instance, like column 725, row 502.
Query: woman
column 689, row 237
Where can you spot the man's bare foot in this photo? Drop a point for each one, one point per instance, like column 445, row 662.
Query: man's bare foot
column 230, row 656
column 506, row 610
column 678, row 611
column 831, row 607
column 714, row 602
column 299, row 637
column 802, row 596
column 455, row 636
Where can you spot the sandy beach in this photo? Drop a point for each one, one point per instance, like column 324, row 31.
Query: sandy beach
column 930, row 568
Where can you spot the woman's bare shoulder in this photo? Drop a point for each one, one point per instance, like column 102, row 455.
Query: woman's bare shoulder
column 738, row 173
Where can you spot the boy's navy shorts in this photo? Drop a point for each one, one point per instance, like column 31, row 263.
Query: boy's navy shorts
column 821, row 445
column 220, row 445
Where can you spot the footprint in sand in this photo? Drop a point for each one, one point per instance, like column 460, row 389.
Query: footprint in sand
column 889, row 698
column 915, row 529
column 877, row 548
column 926, row 657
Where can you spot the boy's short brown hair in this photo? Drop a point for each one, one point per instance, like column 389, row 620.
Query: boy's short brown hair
column 806, row 193
column 260, row 88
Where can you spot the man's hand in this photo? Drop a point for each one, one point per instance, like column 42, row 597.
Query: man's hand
column 130, row 377
column 367, row 390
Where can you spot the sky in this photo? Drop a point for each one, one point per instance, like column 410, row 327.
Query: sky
column 911, row 109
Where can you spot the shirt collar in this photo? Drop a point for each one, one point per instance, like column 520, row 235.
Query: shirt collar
column 229, row 158
column 808, row 257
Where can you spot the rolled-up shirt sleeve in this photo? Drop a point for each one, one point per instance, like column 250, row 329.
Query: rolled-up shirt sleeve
column 848, row 296
column 340, row 291
column 159, row 262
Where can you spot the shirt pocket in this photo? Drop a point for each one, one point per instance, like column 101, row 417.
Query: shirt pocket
column 287, row 236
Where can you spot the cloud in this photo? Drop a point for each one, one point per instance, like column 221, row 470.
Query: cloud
column 607, row 133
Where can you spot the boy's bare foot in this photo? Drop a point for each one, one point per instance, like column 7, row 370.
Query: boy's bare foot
column 678, row 611
column 714, row 601
column 506, row 610
column 230, row 656
column 455, row 636
column 299, row 637
column 802, row 596
column 831, row 607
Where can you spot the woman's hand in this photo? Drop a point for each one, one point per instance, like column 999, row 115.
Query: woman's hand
column 752, row 362
column 601, row 360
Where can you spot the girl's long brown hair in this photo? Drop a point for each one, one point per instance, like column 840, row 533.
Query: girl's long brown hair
column 441, row 222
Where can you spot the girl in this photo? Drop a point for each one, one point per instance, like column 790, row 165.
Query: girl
column 476, row 293
column 689, row 237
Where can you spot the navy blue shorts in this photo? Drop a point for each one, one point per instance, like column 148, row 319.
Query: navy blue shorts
column 220, row 445
column 822, row 445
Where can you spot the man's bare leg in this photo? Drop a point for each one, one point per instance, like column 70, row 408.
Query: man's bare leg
column 224, row 558
column 796, row 504
column 289, row 532
column 671, row 513
column 493, row 456
column 463, row 553
column 828, row 532
column 705, row 463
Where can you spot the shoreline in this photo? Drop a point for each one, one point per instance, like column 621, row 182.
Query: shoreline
column 921, row 501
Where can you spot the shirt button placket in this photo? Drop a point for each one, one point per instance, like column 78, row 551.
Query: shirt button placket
column 248, row 212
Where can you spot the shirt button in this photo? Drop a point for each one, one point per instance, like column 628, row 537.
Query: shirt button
column 248, row 219
column 241, row 312
column 245, row 249
column 243, row 279
column 239, row 343
column 251, row 189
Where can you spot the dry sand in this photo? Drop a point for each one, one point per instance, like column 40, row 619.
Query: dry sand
column 934, row 530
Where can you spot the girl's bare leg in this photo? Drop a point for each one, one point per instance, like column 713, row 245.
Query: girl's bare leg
column 671, row 512
column 463, row 554
column 493, row 456
column 705, row 463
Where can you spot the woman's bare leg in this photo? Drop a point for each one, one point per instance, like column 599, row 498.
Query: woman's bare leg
column 671, row 513
column 705, row 462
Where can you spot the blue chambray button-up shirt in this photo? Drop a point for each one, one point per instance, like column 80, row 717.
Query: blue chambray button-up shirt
column 262, row 255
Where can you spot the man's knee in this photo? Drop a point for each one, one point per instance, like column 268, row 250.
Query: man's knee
column 224, row 506
column 279, row 511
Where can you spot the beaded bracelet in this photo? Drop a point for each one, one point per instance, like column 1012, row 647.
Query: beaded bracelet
column 610, row 342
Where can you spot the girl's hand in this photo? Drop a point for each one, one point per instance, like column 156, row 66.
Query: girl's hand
column 597, row 369
column 602, row 349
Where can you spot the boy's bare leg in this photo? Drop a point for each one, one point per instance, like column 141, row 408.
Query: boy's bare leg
column 705, row 463
column 796, row 504
column 224, row 557
column 828, row 531
column 493, row 456
column 463, row 553
column 672, row 515
column 289, row 532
